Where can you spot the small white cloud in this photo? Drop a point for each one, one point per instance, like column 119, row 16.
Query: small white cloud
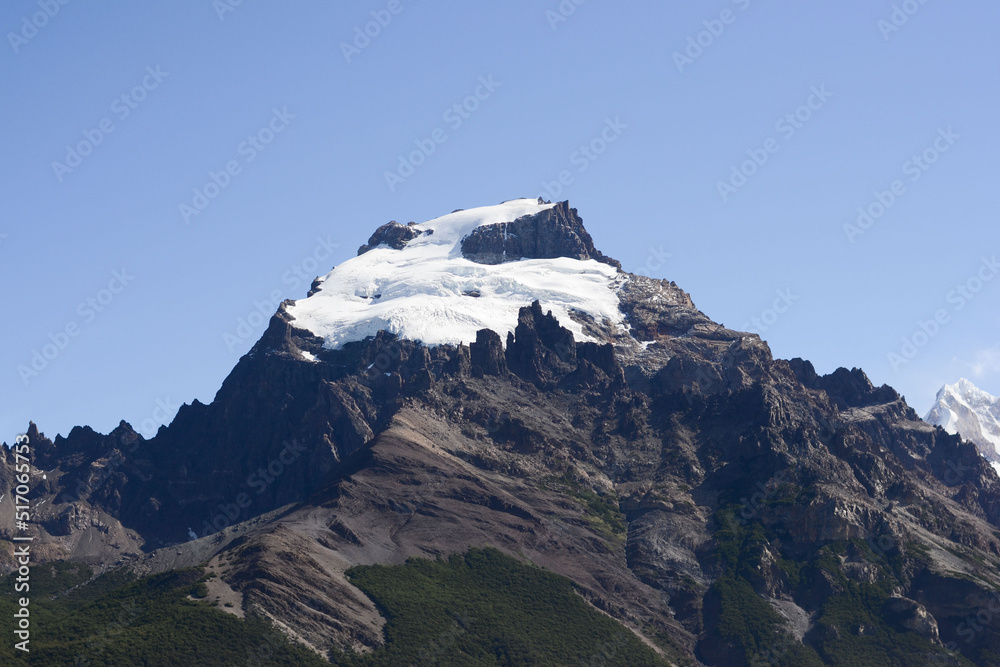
column 984, row 362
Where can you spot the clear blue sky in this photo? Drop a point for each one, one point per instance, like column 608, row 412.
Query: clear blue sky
column 198, row 81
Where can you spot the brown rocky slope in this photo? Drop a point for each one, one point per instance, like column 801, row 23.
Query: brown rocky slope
column 673, row 473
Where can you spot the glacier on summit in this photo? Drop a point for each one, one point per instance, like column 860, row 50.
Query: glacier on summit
column 428, row 291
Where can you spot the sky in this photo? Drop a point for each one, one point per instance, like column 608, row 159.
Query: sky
column 823, row 173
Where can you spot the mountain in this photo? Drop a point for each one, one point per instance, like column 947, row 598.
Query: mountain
column 480, row 441
column 965, row 409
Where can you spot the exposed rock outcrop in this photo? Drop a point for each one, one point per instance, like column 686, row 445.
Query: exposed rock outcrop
column 391, row 234
column 555, row 232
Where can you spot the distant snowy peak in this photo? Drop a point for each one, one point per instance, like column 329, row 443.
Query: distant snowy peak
column 441, row 281
column 972, row 413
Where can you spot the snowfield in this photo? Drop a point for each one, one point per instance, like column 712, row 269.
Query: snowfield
column 426, row 291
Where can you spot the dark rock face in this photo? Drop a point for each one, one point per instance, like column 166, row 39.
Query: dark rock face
column 660, row 477
column 555, row 232
column 392, row 234
column 848, row 388
column 908, row 615
column 539, row 342
column 487, row 355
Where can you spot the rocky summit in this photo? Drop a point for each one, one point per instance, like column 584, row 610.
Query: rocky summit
column 488, row 391
column 965, row 409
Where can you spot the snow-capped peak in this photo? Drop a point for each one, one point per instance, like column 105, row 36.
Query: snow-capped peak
column 972, row 413
column 425, row 289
